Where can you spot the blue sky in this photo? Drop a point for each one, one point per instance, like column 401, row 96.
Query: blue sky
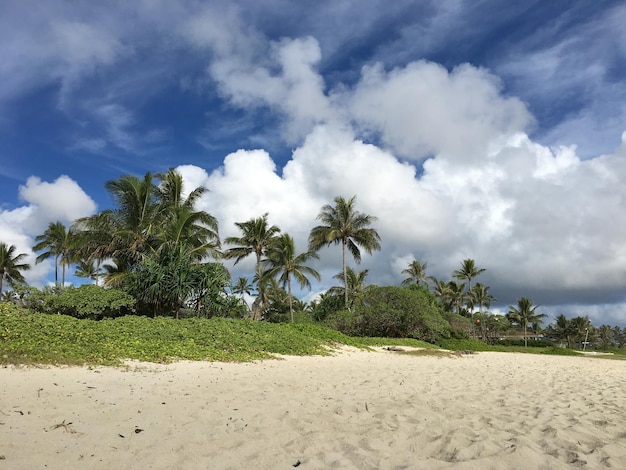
column 484, row 129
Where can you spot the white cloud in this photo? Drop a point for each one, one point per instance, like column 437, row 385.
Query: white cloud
column 422, row 109
column 62, row 200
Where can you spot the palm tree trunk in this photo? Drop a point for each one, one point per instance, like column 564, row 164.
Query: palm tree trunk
column 290, row 299
column 257, row 310
column 525, row 340
column 345, row 270
column 56, row 270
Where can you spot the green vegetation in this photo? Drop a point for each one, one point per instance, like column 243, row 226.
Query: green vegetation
column 27, row 338
column 396, row 312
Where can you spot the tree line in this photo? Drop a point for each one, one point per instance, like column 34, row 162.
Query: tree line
column 158, row 248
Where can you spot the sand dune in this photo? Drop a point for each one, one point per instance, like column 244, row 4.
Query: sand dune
column 356, row 410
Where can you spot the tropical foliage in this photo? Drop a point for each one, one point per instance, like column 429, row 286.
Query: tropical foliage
column 11, row 265
column 524, row 314
column 343, row 224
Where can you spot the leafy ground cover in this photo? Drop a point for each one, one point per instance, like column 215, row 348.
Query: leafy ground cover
column 59, row 339
column 27, row 338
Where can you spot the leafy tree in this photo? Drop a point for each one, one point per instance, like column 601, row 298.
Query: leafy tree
column 325, row 305
column 343, row 224
column 393, row 311
column 416, row 273
column 562, row 330
column 257, row 236
column 524, row 314
column 619, row 335
column 60, row 243
column 356, row 286
column 11, row 265
column 86, row 301
column 580, row 327
column 605, row 335
column 283, row 262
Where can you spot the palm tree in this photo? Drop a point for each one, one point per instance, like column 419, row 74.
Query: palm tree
column 257, row 236
column 605, row 335
column 11, row 265
column 480, row 296
column 468, row 272
column 524, row 314
column 441, row 290
column 242, row 286
column 88, row 270
column 180, row 222
column 562, row 329
column 134, row 220
column 355, row 288
column 579, row 327
column 342, row 223
column 457, row 295
column 283, row 263
column 60, row 243
column 416, row 272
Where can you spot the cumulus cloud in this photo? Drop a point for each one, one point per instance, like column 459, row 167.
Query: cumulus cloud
column 422, row 109
column 61, row 200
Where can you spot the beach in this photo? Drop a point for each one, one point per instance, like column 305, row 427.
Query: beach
column 353, row 410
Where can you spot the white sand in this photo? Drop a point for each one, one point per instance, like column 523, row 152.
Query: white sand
column 357, row 410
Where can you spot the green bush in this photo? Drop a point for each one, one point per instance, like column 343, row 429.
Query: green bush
column 394, row 312
column 86, row 301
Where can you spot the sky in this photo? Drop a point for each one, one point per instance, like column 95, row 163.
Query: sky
column 482, row 129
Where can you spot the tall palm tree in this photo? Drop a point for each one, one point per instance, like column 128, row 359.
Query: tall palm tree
column 355, row 288
column 283, row 262
column 342, row 223
column 257, row 236
column 134, row 219
column 416, row 272
column 60, row 243
column 480, row 296
column 11, row 265
column 524, row 314
column 468, row 272
column 178, row 219
column 580, row 327
column 457, row 295
column 562, row 329
column 88, row 270
column 241, row 287
column 441, row 290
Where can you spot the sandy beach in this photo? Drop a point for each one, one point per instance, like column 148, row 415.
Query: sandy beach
column 355, row 410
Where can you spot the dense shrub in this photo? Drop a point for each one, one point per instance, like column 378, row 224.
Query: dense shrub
column 86, row 301
column 394, row 312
